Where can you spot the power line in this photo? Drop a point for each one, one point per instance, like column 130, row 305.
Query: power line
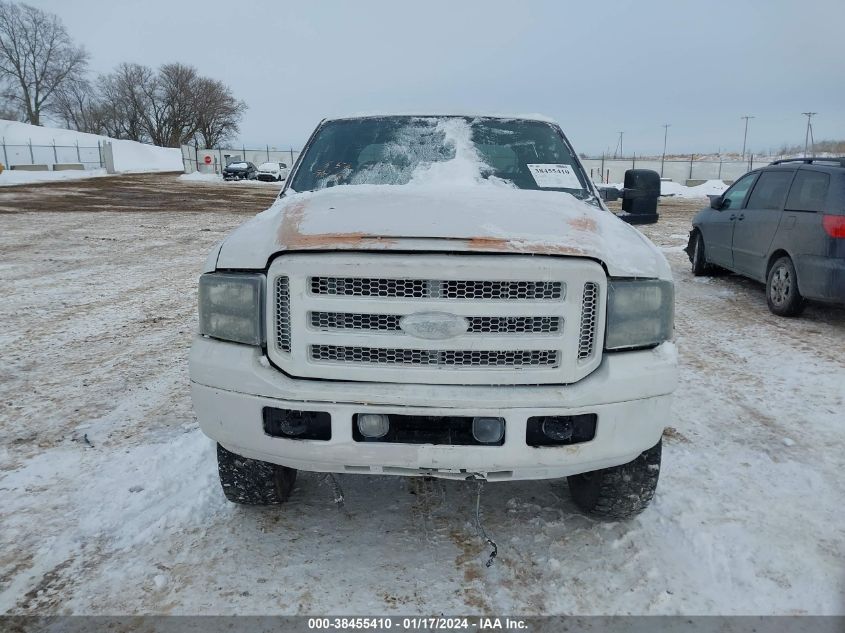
column 618, row 145
column 808, row 135
column 745, row 135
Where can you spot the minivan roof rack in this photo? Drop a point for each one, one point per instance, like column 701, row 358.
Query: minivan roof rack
column 809, row 160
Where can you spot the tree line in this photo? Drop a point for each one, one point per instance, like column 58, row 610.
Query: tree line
column 44, row 75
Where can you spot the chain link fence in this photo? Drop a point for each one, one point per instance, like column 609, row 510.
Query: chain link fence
column 602, row 169
column 50, row 157
column 681, row 170
column 213, row 160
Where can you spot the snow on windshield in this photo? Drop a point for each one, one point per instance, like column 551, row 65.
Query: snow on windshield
column 464, row 167
column 417, row 153
column 444, row 150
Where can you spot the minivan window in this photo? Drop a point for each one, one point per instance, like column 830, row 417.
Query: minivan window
column 736, row 194
column 770, row 190
column 809, row 191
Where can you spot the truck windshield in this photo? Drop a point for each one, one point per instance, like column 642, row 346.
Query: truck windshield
column 398, row 150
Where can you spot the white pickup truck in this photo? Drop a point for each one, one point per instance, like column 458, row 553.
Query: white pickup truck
column 442, row 296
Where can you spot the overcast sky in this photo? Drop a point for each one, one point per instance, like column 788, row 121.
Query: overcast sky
column 597, row 66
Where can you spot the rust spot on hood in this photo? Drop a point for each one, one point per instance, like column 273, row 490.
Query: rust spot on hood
column 291, row 237
column 584, row 223
column 489, row 244
column 504, row 245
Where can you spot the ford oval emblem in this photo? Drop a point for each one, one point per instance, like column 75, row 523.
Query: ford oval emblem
column 433, row 326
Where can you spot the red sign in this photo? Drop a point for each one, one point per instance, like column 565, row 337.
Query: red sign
column 207, row 160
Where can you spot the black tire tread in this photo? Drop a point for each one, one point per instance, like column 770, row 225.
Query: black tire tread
column 795, row 305
column 252, row 482
column 700, row 266
column 619, row 492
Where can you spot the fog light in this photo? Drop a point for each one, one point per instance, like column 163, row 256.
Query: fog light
column 558, row 429
column 293, row 425
column 488, row 430
column 373, row 424
column 297, row 425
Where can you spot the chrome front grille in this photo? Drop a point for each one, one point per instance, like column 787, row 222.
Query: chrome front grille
column 478, row 319
column 436, row 288
column 477, row 324
column 440, row 358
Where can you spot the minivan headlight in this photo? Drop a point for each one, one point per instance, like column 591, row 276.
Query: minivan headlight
column 640, row 313
column 230, row 307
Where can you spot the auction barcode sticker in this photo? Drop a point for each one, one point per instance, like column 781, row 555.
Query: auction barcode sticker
column 554, row 176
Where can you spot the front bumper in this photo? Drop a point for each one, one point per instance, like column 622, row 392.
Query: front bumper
column 267, row 177
column 629, row 392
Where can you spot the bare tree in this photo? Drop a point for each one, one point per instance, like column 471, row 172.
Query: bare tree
column 37, row 56
column 8, row 108
column 172, row 114
column 218, row 112
column 125, row 103
column 77, row 106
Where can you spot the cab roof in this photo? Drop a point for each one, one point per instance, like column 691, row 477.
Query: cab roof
column 439, row 114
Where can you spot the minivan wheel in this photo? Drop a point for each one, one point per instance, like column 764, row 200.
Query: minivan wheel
column 699, row 262
column 782, row 289
column 619, row 492
column 253, row 482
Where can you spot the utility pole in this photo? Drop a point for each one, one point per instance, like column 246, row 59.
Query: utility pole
column 666, row 127
column 808, row 135
column 619, row 145
column 745, row 136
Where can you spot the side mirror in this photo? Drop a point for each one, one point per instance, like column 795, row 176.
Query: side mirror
column 716, row 202
column 609, row 194
column 639, row 198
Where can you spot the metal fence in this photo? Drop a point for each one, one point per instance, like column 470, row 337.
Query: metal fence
column 602, row 169
column 612, row 170
column 12, row 155
column 213, row 160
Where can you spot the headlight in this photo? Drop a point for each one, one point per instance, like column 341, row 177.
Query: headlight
column 640, row 313
column 230, row 307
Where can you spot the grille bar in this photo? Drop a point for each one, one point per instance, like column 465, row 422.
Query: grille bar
column 477, row 324
column 283, row 336
column 437, row 289
column 589, row 319
column 509, row 359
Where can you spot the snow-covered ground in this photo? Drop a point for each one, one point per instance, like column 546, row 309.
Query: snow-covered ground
column 676, row 190
column 708, row 188
column 198, row 176
column 15, row 177
column 111, row 502
column 217, row 179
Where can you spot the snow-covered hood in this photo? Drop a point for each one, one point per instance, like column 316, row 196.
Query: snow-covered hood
column 478, row 219
column 268, row 169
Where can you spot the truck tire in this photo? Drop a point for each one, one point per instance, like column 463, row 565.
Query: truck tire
column 253, row 482
column 697, row 257
column 619, row 492
column 782, row 294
